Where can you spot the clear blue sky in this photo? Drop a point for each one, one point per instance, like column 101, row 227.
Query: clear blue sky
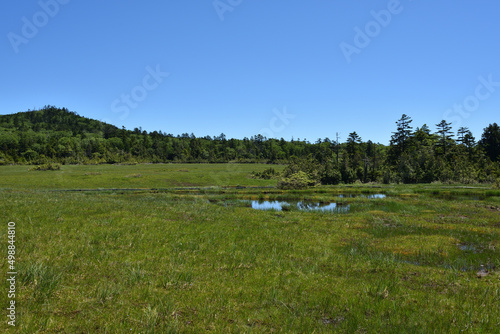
column 234, row 68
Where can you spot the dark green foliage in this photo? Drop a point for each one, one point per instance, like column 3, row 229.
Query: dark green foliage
column 302, row 173
column 497, row 183
column 401, row 137
column 445, row 135
column 330, row 174
column 353, row 142
column 266, row 174
column 297, row 180
column 54, row 135
column 308, row 165
column 490, row 141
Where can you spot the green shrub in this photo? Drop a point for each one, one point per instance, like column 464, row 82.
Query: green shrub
column 298, row 180
column 44, row 167
column 266, row 174
column 496, row 185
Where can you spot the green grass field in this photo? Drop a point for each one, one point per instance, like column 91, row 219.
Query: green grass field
column 171, row 249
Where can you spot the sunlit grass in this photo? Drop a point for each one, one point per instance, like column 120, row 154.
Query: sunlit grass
column 200, row 261
column 158, row 176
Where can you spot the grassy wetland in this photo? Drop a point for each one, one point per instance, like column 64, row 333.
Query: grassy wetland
column 174, row 248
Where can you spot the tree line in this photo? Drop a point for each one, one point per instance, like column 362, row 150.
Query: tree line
column 414, row 155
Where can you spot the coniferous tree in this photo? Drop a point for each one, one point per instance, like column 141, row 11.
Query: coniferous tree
column 352, row 143
column 466, row 140
column 445, row 134
column 490, row 141
column 423, row 137
column 400, row 138
column 469, row 141
column 462, row 131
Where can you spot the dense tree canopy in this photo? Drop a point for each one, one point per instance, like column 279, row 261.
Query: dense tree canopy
column 490, row 140
column 58, row 135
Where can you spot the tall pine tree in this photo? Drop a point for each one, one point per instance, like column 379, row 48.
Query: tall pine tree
column 445, row 134
column 400, row 138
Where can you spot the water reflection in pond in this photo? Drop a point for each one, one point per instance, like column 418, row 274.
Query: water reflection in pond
column 301, row 205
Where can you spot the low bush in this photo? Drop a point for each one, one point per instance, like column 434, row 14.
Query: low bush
column 266, row 174
column 44, row 167
column 299, row 180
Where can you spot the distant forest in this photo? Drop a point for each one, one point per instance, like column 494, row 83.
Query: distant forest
column 415, row 155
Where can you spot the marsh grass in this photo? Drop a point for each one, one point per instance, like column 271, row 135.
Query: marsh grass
column 181, row 261
column 157, row 176
column 40, row 279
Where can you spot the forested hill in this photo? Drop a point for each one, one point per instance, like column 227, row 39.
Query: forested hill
column 414, row 154
column 54, row 119
column 58, row 135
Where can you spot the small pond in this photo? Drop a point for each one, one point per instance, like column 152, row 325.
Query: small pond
column 311, row 205
column 300, row 205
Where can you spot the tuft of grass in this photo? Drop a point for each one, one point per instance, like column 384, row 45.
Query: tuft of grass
column 39, row 278
column 134, row 274
column 105, row 293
